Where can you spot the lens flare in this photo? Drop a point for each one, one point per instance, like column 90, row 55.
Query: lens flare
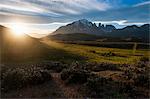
column 19, row 29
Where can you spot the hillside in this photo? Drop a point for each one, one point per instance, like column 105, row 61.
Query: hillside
column 90, row 37
column 74, row 37
column 141, row 32
column 80, row 26
column 19, row 49
column 27, row 49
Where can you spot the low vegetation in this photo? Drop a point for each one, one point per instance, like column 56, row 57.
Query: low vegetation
column 17, row 76
column 84, row 53
column 95, row 72
column 109, row 44
column 128, row 83
column 20, row 77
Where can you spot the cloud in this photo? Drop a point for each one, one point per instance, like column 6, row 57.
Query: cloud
column 52, row 7
column 48, row 11
column 22, row 8
column 121, row 22
column 143, row 3
column 48, row 15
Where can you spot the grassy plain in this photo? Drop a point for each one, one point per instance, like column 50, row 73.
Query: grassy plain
column 100, row 54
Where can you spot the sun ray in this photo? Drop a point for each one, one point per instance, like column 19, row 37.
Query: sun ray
column 18, row 29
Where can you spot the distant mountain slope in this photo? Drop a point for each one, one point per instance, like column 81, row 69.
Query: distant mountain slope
column 81, row 26
column 90, row 37
column 141, row 32
column 74, row 37
column 86, row 27
column 19, row 49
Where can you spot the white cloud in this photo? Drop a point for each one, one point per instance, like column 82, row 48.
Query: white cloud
column 143, row 3
column 120, row 22
column 32, row 9
column 23, row 8
column 54, row 7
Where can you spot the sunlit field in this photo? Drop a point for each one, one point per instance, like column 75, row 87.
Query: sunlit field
column 101, row 54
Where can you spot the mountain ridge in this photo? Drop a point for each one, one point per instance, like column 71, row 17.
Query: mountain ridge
column 86, row 27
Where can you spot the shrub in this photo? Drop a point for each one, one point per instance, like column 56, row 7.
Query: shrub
column 75, row 76
column 78, row 77
column 56, row 66
column 105, row 66
column 126, row 87
column 108, row 54
column 132, row 91
column 13, row 79
column 144, row 59
column 128, row 74
column 100, row 87
column 38, row 77
column 95, row 83
column 20, row 77
column 92, row 51
column 65, row 74
column 142, row 80
column 141, row 64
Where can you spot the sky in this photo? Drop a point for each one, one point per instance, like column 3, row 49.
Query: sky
column 42, row 17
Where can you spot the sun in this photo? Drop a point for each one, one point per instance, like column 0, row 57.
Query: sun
column 19, row 29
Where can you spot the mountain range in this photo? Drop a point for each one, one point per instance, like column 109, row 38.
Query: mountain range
column 84, row 26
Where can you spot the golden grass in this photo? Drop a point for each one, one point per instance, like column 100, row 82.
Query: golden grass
column 122, row 55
